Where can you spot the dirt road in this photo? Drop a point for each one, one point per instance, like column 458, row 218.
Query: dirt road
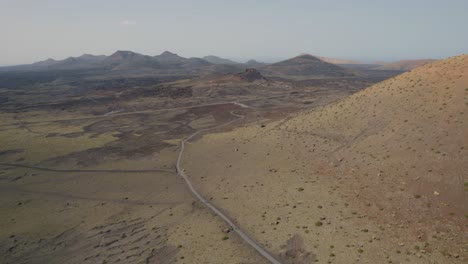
column 226, row 219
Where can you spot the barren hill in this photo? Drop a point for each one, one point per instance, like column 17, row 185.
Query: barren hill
column 414, row 125
column 304, row 65
column 380, row 176
column 404, row 65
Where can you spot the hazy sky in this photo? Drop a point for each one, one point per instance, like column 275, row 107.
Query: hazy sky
column 32, row 30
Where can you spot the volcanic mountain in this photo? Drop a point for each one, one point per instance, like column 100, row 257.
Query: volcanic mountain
column 304, row 65
column 122, row 60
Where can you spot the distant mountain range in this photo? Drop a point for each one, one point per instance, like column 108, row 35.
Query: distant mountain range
column 128, row 62
column 83, row 61
column 170, row 63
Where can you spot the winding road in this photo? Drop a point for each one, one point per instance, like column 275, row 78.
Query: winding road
column 180, row 171
column 202, row 199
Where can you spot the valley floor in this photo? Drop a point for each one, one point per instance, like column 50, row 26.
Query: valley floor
column 89, row 176
column 96, row 182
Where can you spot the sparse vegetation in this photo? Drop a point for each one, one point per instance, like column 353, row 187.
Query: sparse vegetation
column 362, row 160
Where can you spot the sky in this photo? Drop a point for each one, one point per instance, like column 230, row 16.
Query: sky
column 366, row 30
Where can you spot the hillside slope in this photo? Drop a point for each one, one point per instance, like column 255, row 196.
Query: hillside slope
column 414, row 125
column 378, row 177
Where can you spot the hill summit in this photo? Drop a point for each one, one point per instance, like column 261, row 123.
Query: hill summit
column 124, row 59
column 305, row 65
column 169, row 57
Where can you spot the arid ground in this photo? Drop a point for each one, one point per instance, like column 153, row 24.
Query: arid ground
column 378, row 177
column 87, row 166
column 340, row 169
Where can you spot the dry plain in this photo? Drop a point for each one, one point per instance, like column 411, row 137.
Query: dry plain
column 88, row 171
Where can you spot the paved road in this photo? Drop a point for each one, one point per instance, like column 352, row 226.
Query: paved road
column 202, row 199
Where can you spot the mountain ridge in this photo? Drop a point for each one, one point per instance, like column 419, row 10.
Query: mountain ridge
column 304, row 65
